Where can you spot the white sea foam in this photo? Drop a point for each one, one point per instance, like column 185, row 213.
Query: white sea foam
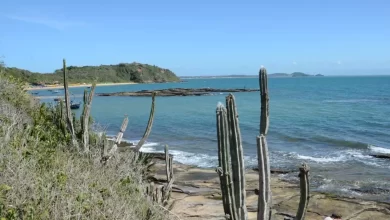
column 379, row 149
column 322, row 159
column 351, row 100
column 357, row 154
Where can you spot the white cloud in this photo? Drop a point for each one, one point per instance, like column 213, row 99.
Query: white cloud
column 56, row 24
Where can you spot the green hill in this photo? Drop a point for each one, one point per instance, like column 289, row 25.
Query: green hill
column 123, row 72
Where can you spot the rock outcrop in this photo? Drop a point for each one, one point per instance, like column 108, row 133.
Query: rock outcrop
column 177, row 92
column 197, row 195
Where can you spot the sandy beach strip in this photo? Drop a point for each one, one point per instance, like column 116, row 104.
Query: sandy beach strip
column 79, row 85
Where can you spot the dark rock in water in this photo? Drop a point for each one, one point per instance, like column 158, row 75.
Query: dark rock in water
column 371, row 190
column 177, row 92
column 276, row 171
column 381, row 156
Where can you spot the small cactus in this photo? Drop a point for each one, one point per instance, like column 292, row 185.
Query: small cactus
column 118, row 140
column 304, row 187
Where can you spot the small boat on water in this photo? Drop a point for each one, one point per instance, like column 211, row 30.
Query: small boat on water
column 74, row 105
column 35, row 93
column 55, row 91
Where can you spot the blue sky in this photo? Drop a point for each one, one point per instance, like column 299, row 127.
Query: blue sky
column 213, row 37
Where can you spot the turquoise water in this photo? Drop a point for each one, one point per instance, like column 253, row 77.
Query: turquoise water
column 332, row 123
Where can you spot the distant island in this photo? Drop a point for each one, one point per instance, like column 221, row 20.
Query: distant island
column 120, row 73
column 272, row 75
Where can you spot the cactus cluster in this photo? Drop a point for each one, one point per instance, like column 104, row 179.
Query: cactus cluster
column 231, row 167
column 162, row 193
column 68, row 118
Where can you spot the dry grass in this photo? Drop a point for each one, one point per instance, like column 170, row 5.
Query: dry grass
column 39, row 182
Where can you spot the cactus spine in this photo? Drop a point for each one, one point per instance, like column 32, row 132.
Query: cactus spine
column 85, row 116
column 264, row 201
column 231, row 161
column 149, row 126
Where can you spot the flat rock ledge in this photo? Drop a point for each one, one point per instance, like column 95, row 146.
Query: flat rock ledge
column 177, row 92
column 196, row 195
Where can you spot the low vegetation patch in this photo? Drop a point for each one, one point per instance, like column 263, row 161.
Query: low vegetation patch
column 42, row 177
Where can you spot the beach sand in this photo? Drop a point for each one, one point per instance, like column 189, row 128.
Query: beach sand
column 79, row 85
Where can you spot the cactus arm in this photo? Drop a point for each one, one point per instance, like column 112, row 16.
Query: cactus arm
column 149, row 126
column 237, row 158
column 117, row 141
column 264, row 115
column 304, row 188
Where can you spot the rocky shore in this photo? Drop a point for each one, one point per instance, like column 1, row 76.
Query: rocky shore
column 197, row 195
column 177, row 92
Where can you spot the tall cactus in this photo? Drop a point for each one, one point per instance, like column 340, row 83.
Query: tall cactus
column 264, row 201
column 237, row 157
column 69, row 118
column 149, row 126
column 231, row 161
column 223, row 169
column 84, row 118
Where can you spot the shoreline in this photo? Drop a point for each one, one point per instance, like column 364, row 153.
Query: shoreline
column 78, row 86
column 196, row 195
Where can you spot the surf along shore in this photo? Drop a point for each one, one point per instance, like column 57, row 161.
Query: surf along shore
column 196, row 194
column 76, row 85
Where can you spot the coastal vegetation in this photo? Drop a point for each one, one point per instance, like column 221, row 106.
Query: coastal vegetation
column 120, row 73
column 55, row 166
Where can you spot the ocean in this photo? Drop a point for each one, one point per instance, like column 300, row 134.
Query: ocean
column 331, row 123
